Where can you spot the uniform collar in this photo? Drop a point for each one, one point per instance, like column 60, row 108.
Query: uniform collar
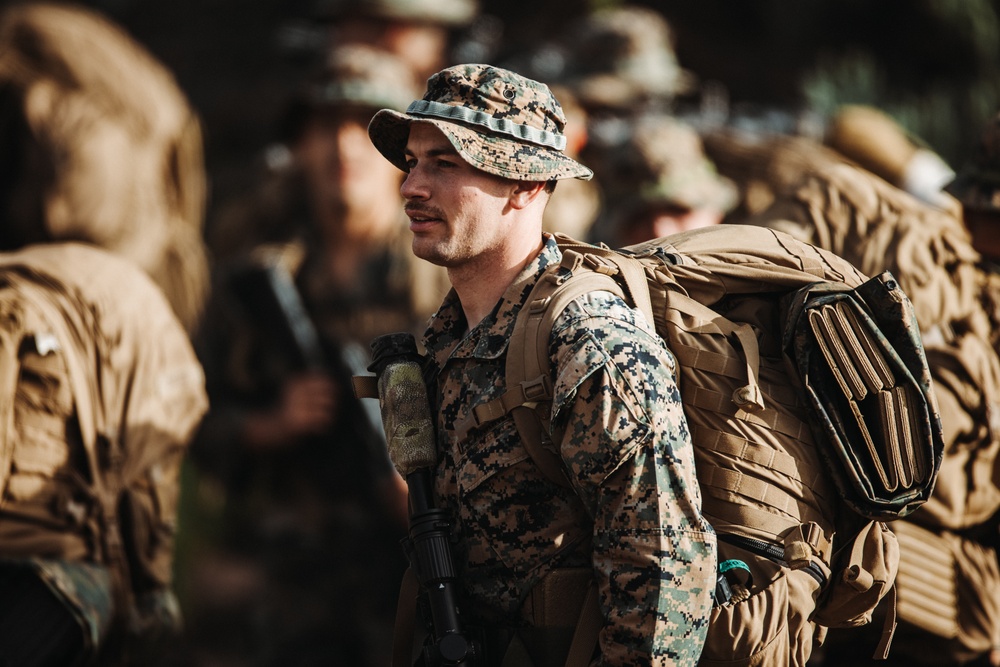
column 449, row 337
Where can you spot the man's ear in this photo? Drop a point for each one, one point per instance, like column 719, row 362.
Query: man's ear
column 526, row 192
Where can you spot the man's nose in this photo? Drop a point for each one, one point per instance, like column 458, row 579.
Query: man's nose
column 413, row 186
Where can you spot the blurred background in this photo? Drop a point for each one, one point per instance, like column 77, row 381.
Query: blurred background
column 933, row 65
column 278, row 121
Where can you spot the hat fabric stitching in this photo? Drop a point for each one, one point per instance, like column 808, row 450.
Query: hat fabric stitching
column 427, row 108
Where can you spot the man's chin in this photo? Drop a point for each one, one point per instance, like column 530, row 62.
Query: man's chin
column 428, row 250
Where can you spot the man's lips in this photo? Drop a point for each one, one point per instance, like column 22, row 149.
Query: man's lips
column 422, row 217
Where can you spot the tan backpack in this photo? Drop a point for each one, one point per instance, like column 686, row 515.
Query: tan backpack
column 100, row 392
column 778, row 444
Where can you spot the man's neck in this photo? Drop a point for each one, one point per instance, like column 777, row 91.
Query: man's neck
column 482, row 283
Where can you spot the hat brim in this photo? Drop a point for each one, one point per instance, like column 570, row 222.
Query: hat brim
column 517, row 160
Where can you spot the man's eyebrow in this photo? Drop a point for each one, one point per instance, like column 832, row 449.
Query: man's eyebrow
column 435, row 152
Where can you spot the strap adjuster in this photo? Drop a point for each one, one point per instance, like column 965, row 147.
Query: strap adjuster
column 598, row 264
column 538, row 389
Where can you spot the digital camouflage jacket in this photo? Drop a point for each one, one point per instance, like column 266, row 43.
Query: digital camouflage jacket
column 634, row 510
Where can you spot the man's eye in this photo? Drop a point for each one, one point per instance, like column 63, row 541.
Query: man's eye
column 410, row 164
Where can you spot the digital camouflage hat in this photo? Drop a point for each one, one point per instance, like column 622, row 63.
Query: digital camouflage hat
column 450, row 13
column 978, row 183
column 362, row 76
column 623, row 57
column 498, row 121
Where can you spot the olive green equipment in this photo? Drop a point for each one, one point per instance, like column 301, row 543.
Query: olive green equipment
column 410, row 435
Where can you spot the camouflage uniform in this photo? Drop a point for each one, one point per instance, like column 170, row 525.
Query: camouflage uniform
column 632, row 517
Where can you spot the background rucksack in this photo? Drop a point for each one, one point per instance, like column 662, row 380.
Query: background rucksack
column 100, row 392
column 777, row 447
column 952, row 539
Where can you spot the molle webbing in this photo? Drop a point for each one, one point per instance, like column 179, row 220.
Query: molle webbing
column 753, row 480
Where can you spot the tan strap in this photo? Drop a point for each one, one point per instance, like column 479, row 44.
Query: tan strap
column 628, row 270
column 747, row 486
column 528, row 368
column 406, row 612
column 548, row 301
column 888, row 628
column 588, row 628
column 749, row 397
column 733, row 446
column 724, row 511
column 706, row 360
column 533, row 437
column 720, row 403
column 524, row 392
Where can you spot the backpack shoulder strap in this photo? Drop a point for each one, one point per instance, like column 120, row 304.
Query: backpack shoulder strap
column 529, row 384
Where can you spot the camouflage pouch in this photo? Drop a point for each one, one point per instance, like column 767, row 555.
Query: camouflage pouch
column 860, row 356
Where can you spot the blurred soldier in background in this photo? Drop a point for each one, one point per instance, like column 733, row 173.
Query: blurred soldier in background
column 420, row 32
column 948, row 582
column 764, row 165
column 659, row 182
column 621, row 62
column 978, row 189
column 101, row 183
column 123, row 165
column 310, row 566
column 610, row 69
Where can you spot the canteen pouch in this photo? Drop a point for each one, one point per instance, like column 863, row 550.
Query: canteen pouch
column 864, row 571
column 861, row 359
column 770, row 623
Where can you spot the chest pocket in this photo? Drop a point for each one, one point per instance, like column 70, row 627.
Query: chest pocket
column 509, row 511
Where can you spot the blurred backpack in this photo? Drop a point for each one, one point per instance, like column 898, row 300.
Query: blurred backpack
column 100, row 392
column 952, row 539
column 806, row 392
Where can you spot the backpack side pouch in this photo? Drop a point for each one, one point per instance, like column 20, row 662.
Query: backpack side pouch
column 861, row 359
column 864, row 571
column 769, row 622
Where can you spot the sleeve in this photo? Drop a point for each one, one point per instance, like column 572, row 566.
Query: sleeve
column 622, row 433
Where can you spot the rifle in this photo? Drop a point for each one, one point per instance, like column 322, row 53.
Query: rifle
column 269, row 292
column 410, row 435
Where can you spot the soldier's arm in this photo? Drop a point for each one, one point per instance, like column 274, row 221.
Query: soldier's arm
column 624, row 438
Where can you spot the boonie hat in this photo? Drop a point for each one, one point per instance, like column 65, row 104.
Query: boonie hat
column 355, row 74
column 663, row 163
column 498, row 121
